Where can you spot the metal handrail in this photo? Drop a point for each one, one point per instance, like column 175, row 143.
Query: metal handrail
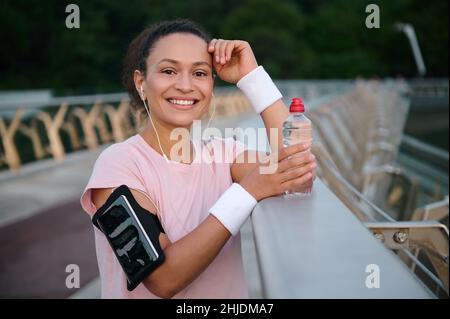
column 429, row 235
column 71, row 100
column 425, row 151
column 330, row 166
column 327, row 164
column 427, row 272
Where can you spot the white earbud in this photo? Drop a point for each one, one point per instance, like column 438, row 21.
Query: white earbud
column 142, row 91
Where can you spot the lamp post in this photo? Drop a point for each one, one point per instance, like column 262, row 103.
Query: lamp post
column 411, row 34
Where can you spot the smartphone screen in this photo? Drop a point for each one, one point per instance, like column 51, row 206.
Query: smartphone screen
column 127, row 237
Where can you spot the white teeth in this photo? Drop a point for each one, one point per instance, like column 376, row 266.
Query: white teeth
column 182, row 102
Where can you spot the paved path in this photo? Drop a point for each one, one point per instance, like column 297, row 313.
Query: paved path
column 43, row 228
column 36, row 251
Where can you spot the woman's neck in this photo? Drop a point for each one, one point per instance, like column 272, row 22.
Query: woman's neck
column 181, row 146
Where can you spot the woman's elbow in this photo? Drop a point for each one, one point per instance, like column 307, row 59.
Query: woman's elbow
column 161, row 288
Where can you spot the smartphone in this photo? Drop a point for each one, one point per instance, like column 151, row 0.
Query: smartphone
column 128, row 239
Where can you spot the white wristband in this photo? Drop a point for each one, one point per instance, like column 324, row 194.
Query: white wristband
column 259, row 88
column 233, row 207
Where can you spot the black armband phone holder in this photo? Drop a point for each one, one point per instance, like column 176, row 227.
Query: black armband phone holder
column 133, row 233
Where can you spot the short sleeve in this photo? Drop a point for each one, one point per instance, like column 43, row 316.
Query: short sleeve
column 234, row 148
column 114, row 167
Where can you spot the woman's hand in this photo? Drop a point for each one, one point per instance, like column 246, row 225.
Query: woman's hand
column 295, row 170
column 232, row 59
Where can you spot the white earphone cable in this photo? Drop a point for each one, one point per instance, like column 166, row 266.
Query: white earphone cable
column 214, row 110
column 156, row 131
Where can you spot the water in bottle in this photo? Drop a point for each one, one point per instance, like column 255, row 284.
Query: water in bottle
column 297, row 129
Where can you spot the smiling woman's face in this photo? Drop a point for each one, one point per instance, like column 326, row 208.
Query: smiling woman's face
column 179, row 81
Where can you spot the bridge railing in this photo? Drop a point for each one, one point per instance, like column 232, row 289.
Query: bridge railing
column 314, row 247
column 425, row 234
column 357, row 138
column 362, row 172
column 53, row 128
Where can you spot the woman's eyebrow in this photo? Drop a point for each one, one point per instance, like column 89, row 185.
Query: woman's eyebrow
column 201, row 63
column 176, row 62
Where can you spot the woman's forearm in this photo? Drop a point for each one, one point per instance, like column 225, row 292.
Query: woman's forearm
column 188, row 257
column 273, row 117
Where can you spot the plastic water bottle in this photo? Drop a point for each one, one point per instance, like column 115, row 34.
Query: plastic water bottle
column 297, row 129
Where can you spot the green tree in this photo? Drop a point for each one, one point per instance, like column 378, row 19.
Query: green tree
column 274, row 30
column 291, row 38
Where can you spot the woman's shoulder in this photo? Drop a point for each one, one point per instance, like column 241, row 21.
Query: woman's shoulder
column 115, row 166
column 119, row 153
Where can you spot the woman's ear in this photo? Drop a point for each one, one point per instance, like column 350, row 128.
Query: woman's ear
column 138, row 78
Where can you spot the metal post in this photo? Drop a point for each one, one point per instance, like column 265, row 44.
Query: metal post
column 408, row 29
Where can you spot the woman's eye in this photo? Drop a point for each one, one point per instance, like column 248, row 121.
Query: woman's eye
column 200, row 73
column 169, row 72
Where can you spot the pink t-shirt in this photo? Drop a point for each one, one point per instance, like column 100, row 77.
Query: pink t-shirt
column 183, row 194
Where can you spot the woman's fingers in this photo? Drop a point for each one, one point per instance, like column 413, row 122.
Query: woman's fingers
column 303, row 158
column 221, row 50
column 216, row 51
column 222, row 47
column 291, row 150
column 229, row 50
column 212, row 45
column 294, row 183
column 213, row 48
column 297, row 172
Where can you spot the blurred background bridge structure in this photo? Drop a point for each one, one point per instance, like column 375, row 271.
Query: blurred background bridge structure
column 374, row 141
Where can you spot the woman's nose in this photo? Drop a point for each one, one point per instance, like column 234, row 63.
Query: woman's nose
column 184, row 83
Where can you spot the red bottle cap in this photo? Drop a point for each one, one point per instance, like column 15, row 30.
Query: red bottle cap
column 296, row 105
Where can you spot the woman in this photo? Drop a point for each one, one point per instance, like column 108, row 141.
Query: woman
column 168, row 73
